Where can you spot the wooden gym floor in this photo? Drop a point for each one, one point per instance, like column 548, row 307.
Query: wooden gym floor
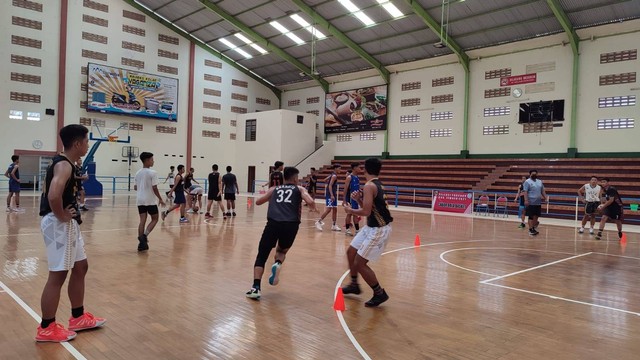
column 477, row 288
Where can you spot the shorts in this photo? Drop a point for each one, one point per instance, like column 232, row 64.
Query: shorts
column 331, row 204
column 354, row 205
column 179, row 198
column 64, row 243
column 591, row 207
column 312, row 189
column 230, row 196
column 371, row 241
column 614, row 212
column 196, row 191
column 148, row 209
column 521, row 210
column 534, row 210
column 279, row 233
column 14, row 186
column 214, row 196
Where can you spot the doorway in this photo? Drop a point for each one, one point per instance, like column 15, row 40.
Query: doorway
column 251, row 179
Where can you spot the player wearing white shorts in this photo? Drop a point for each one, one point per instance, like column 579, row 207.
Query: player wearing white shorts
column 590, row 194
column 195, row 193
column 370, row 242
column 63, row 241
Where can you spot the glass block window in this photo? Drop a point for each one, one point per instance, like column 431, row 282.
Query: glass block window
column 495, row 130
column 416, row 85
column 33, row 116
column 615, row 101
column 537, row 127
column 491, row 93
column 295, row 102
column 15, row 114
column 410, row 102
column 624, row 55
column 622, row 123
column 494, row 74
column 440, row 132
column 614, row 79
column 442, row 81
column 497, row 111
column 313, row 100
column 441, row 115
column 411, row 134
column 343, row 137
column 409, row 118
column 367, row 136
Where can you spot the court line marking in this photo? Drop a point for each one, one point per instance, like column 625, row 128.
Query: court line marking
column 534, row 268
column 73, row 351
column 562, row 298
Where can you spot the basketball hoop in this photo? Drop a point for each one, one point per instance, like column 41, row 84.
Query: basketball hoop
column 112, row 138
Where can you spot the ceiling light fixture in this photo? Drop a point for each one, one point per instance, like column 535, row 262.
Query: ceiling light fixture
column 391, row 9
column 352, row 8
column 235, row 48
column 250, row 43
column 286, row 32
column 312, row 29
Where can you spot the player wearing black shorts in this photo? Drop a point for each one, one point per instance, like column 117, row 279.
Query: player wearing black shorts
column 283, row 221
column 214, row 193
column 612, row 208
column 180, row 200
column 230, row 189
column 146, row 187
column 312, row 186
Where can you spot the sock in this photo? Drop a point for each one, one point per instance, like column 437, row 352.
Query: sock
column 46, row 322
column 256, row 284
column 354, row 280
column 278, row 262
column 77, row 312
column 357, row 226
column 377, row 289
column 146, row 233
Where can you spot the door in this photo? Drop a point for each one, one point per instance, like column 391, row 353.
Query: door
column 251, row 179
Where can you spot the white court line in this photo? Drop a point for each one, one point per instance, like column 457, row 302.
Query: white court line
column 73, row 351
column 562, row 298
column 533, row 268
column 461, row 267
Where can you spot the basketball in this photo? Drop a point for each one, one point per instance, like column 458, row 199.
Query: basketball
column 196, row 209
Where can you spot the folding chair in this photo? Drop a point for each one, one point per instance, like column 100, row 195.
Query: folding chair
column 501, row 207
column 482, row 205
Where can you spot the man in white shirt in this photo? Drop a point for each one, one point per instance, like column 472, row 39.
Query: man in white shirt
column 146, row 186
column 590, row 194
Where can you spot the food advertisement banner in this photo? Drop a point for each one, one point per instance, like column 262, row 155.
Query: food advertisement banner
column 356, row 110
column 453, row 201
column 119, row 91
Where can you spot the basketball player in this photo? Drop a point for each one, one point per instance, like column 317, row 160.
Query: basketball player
column 230, row 189
column 13, row 173
column 611, row 208
column 276, row 178
column 188, row 182
column 195, row 194
column 369, row 243
column 63, row 241
column 179, row 201
column 534, row 195
column 590, row 194
column 170, row 177
column 351, row 184
column 520, row 201
column 312, row 186
column 80, row 177
column 146, row 186
column 283, row 221
column 214, row 191
column 331, row 200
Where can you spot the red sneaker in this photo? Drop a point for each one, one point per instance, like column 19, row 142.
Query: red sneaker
column 86, row 321
column 54, row 333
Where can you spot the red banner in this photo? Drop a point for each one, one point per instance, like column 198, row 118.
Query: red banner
column 518, row 79
column 453, row 201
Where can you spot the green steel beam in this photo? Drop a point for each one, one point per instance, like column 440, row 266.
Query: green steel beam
column 464, row 61
column 204, row 46
column 258, row 39
column 318, row 19
column 563, row 19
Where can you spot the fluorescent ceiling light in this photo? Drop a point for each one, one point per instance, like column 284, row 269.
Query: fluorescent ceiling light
column 249, row 42
column 235, row 48
column 352, row 8
column 228, row 43
column 391, row 9
column 285, row 31
column 313, row 30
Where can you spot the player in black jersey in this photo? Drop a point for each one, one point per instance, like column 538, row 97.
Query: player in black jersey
column 612, row 208
column 276, row 177
column 312, row 186
column 215, row 184
column 370, row 242
column 283, row 221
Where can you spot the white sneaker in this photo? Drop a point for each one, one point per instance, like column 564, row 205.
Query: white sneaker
column 190, row 211
column 591, row 231
column 581, row 230
column 8, row 209
column 348, row 232
column 319, row 225
column 18, row 210
column 335, row 228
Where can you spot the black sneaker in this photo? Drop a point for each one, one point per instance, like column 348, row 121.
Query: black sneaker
column 143, row 243
column 351, row 289
column 533, row 232
column 228, row 214
column 233, row 213
column 253, row 294
column 84, row 208
column 377, row 299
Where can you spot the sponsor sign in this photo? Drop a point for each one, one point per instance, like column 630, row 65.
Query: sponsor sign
column 453, row 201
column 518, row 79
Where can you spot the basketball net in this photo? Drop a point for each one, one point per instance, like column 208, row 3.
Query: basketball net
column 112, row 138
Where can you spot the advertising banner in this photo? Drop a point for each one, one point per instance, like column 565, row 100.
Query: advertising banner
column 518, row 79
column 356, row 110
column 453, row 201
column 119, row 91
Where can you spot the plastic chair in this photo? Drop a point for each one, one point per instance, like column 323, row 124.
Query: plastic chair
column 482, row 206
column 501, row 207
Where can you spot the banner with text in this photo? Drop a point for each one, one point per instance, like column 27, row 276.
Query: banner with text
column 518, row 79
column 453, row 201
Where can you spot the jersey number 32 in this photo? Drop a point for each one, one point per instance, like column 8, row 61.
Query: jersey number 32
column 284, row 195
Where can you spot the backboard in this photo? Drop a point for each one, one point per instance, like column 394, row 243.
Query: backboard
column 101, row 130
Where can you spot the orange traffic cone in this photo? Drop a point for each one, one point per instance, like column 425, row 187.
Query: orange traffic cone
column 248, row 201
column 338, row 304
column 623, row 239
column 417, row 241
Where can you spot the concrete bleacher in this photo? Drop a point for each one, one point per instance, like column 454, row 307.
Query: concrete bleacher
column 411, row 181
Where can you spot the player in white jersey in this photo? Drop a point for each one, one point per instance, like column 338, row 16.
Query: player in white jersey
column 590, row 194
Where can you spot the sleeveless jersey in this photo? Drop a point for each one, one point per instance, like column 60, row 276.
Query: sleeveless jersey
column 285, row 204
column 334, row 187
column 592, row 194
column 612, row 192
column 380, row 215
column 187, row 180
column 276, row 178
column 214, row 181
column 180, row 186
column 10, row 169
column 69, row 192
column 354, row 184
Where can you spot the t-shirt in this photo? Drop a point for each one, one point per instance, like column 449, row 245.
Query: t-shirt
column 145, row 180
column 214, row 178
column 285, row 204
column 592, row 194
column 196, row 190
column 229, row 183
column 612, row 192
column 534, row 191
